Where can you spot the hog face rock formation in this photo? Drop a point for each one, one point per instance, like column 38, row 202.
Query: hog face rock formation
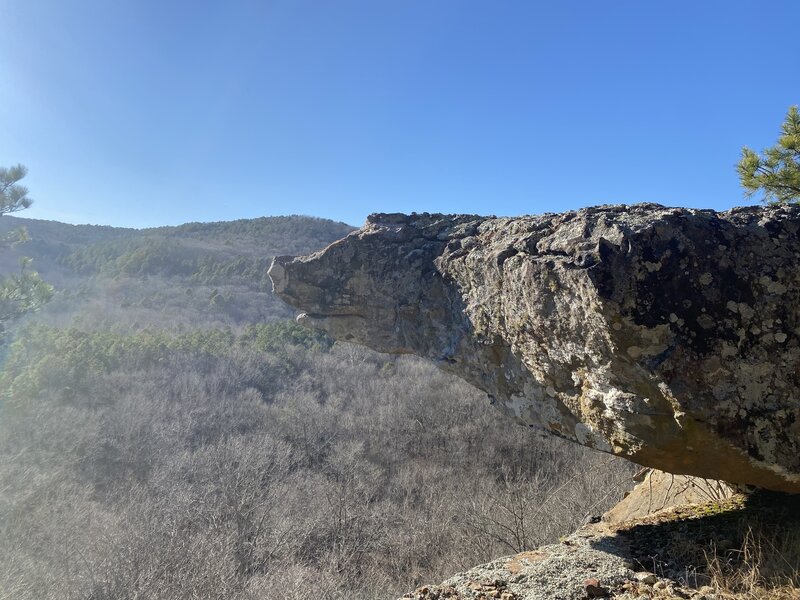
column 668, row 336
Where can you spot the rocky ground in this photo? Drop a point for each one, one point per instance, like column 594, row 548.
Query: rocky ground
column 667, row 554
column 587, row 564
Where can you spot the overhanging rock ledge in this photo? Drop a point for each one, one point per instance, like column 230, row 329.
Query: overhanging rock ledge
column 668, row 336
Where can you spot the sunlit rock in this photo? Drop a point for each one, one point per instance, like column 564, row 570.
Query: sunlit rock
column 668, row 336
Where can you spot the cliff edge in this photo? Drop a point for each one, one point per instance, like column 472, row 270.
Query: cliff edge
column 737, row 548
column 668, row 336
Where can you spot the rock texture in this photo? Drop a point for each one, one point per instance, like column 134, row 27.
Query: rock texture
column 668, row 336
column 557, row 571
column 659, row 491
column 671, row 554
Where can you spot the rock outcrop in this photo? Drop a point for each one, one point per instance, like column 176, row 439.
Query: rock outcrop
column 670, row 554
column 658, row 491
column 668, row 336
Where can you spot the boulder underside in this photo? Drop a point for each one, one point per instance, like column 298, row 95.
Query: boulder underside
column 668, row 336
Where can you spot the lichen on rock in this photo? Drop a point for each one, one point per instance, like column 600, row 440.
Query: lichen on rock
column 668, row 336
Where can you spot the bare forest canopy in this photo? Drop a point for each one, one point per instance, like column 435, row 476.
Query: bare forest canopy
column 167, row 431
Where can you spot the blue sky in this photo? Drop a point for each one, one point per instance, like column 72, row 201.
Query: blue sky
column 139, row 113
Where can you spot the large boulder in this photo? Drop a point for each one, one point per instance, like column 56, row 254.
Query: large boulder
column 668, row 336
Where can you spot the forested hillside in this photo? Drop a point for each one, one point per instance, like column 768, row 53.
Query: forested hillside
column 168, row 432
column 198, row 274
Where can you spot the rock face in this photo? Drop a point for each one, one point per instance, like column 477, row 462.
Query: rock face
column 668, row 336
column 659, row 491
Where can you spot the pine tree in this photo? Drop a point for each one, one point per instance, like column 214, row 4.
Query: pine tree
column 25, row 291
column 13, row 196
column 776, row 172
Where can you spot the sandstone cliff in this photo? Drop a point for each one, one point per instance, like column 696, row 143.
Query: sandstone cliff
column 668, row 336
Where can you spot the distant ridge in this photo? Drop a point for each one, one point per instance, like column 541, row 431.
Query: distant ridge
column 170, row 274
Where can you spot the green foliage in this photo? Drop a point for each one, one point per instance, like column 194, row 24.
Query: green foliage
column 157, row 256
column 68, row 359
column 276, row 336
column 211, row 270
column 23, row 292
column 135, row 257
column 13, row 196
column 166, row 276
column 776, row 172
column 291, row 233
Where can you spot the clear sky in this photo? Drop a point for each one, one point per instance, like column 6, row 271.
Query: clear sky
column 144, row 112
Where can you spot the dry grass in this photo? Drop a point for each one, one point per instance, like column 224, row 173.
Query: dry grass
column 765, row 567
column 742, row 548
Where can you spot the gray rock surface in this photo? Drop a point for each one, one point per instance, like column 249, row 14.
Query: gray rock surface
column 592, row 562
column 670, row 554
column 668, row 336
column 552, row 572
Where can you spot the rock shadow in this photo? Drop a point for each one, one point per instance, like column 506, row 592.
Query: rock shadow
column 757, row 533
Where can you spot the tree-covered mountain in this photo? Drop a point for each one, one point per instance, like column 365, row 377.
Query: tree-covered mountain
column 168, row 432
column 165, row 276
